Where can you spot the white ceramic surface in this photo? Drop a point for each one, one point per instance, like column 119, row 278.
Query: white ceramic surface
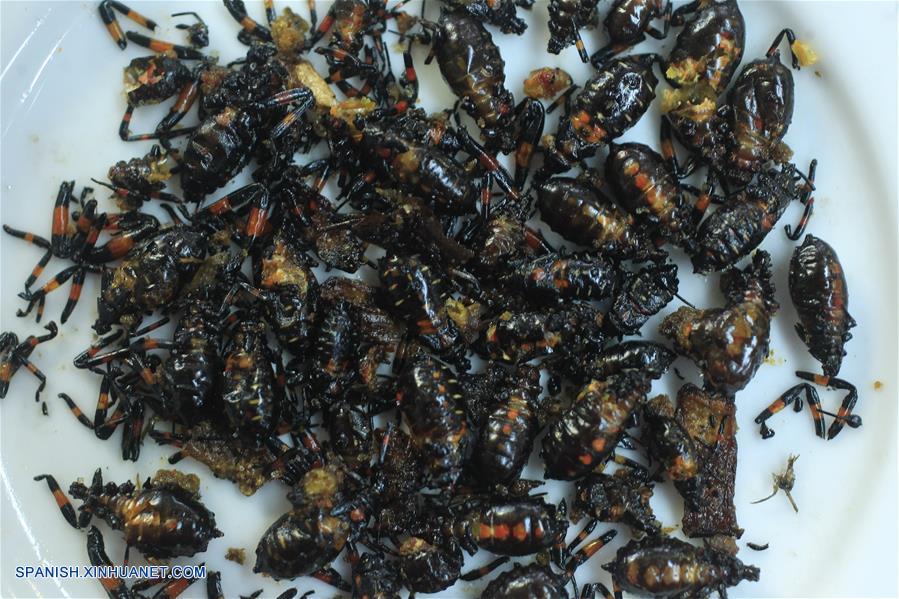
column 61, row 101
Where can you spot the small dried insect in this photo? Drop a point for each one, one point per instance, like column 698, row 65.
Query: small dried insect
column 14, row 355
column 162, row 520
column 784, row 482
column 546, row 83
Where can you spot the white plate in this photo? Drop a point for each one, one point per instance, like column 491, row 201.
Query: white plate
column 61, row 102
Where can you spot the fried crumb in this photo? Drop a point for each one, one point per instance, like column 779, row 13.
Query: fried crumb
column 237, row 555
column 784, row 482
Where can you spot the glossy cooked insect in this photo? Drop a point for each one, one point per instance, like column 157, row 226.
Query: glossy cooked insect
column 554, row 278
column 611, row 102
column 507, row 435
column 760, row 105
column 252, row 397
column 566, row 18
column 141, row 179
column 516, row 337
column 628, row 24
column 238, row 114
column 650, row 359
column 729, row 344
column 587, row 433
column 668, row 443
column 419, row 293
column 430, row 567
column 669, row 567
column 306, row 539
column 373, row 576
column 536, row 580
column 472, row 66
column 640, row 295
column 819, row 292
column 198, row 33
column 428, row 395
column 151, row 80
column 500, row 13
column 578, row 212
column 740, row 226
column 121, row 39
column 620, row 497
column 14, row 355
column 518, row 527
column 162, row 519
column 66, row 242
column 285, row 279
column 709, row 48
column 645, row 186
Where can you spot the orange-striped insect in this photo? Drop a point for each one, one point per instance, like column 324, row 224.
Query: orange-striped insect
column 14, row 355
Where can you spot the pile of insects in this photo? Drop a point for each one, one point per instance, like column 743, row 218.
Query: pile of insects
column 391, row 353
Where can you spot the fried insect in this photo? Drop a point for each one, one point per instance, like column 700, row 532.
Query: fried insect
column 669, row 567
column 628, row 24
column 819, row 292
column 640, row 295
column 14, row 355
column 729, row 344
column 620, row 497
column 161, row 520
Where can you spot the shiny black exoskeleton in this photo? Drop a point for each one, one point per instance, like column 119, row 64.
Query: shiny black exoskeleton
column 291, row 290
column 471, row 65
column 507, row 434
column 576, row 211
column 237, row 115
column 150, row 278
column 640, row 295
column 760, row 104
column 611, row 102
column 430, row 567
column 821, row 297
column 140, row 179
column 628, row 24
column 669, row 567
column 652, row 360
column 668, row 443
column 620, row 497
column 645, row 186
column 14, row 355
column 566, row 18
column 500, row 13
column 312, row 534
column 519, row 527
column 430, row 399
column 519, row 337
column 161, row 520
column 586, row 434
column 709, row 48
column 554, row 278
column 738, row 227
column 252, row 398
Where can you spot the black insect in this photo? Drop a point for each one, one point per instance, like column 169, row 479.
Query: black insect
column 430, row 566
column 647, row 188
column 640, row 295
column 500, row 13
column 586, row 434
column 162, row 520
column 238, row 114
column 629, row 22
column 612, row 101
column 578, row 212
column 198, row 33
column 306, row 539
column 141, row 179
column 819, row 292
column 729, row 344
column 738, row 227
column 14, row 355
column 429, row 397
column 708, row 50
column 507, row 434
column 566, row 18
column 516, row 337
column 645, row 357
column 669, row 567
column 472, row 66
column 554, row 278
column 620, row 497
column 668, row 443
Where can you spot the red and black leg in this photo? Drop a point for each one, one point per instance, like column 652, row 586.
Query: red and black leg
column 39, row 242
column 844, row 416
column 112, row 24
column 484, row 570
column 251, row 29
column 587, row 551
column 161, row 46
column 792, row 396
column 332, row 577
column 62, row 502
column 530, row 117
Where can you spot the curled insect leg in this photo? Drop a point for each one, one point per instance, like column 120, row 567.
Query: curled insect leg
column 587, row 551
column 844, row 416
column 808, row 201
column 252, row 30
column 793, row 396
